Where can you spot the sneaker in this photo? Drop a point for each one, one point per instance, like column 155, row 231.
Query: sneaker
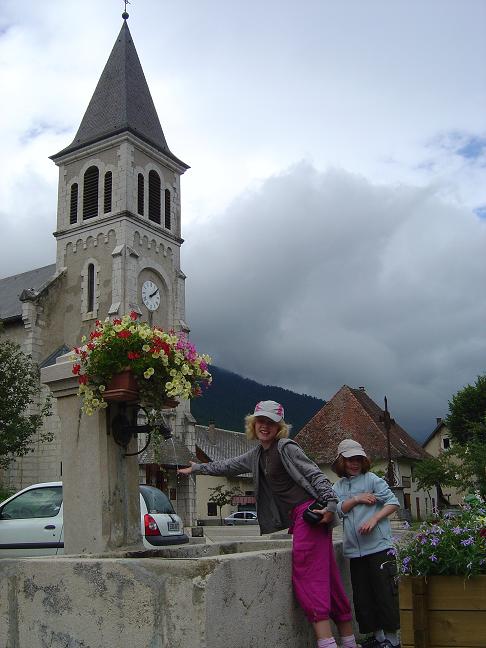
column 371, row 642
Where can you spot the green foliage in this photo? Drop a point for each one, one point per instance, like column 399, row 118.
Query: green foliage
column 451, row 545
column 467, row 411
column 5, row 493
column 222, row 495
column 21, row 407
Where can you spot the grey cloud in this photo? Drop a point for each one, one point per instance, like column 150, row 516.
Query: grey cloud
column 319, row 279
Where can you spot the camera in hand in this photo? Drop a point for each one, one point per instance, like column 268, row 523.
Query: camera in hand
column 310, row 514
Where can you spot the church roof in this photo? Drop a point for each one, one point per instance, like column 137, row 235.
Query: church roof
column 121, row 102
column 12, row 287
column 172, row 454
column 352, row 414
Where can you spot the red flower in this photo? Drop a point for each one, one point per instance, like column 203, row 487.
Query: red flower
column 116, row 321
column 97, row 323
column 482, row 533
column 123, row 334
column 165, row 348
column 133, row 315
column 83, row 379
column 95, row 334
column 76, row 369
column 91, row 346
column 133, row 355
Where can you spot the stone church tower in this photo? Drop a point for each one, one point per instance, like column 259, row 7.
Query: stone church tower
column 118, row 244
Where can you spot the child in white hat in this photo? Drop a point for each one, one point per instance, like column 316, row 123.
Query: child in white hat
column 365, row 504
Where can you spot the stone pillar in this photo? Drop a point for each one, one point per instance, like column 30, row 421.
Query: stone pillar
column 100, row 484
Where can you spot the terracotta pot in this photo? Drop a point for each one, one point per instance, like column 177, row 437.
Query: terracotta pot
column 122, row 387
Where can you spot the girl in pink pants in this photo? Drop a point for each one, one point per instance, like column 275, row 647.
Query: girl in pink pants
column 286, row 481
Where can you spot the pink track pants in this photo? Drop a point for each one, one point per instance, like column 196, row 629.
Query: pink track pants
column 315, row 576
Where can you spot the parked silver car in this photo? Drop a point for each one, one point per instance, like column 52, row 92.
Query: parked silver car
column 31, row 521
column 241, row 517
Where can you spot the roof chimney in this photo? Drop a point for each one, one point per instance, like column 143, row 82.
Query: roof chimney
column 439, row 419
column 362, row 389
column 212, row 433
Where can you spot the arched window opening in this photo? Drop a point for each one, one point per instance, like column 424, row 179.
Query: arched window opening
column 167, row 209
column 90, row 195
column 73, row 209
column 154, row 197
column 91, row 289
column 140, row 197
column 108, row 192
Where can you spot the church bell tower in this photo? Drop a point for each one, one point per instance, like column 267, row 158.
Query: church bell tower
column 119, row 231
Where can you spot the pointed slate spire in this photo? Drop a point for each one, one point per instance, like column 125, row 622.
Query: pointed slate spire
column 121, row 102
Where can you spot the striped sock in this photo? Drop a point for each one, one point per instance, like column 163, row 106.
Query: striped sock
column 349, row 642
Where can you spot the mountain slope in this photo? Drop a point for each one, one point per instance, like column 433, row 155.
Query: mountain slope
column 231, row 397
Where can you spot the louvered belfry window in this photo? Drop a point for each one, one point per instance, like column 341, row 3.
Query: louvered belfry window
column 90, row 197
column 73, row 209
column 167, row 209
column 154, row 197
column 140, row 196
column 108, row 191
column 91, row 288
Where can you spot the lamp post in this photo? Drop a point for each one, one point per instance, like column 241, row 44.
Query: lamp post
column 388, row 422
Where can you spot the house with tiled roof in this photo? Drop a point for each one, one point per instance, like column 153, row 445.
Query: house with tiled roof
column 352, row 414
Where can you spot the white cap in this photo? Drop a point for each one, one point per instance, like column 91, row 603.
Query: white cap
column 270, row 409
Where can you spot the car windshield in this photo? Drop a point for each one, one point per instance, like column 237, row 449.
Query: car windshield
column 155, row 500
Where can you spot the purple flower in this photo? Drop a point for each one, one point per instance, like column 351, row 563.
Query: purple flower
column 467, row 541
column 434, row 541
column 433, row 558
column 457, row 530
column 391, row 552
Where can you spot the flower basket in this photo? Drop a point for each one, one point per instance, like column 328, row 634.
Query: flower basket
column 127, row 360
column 122, row 387
column 442, row 569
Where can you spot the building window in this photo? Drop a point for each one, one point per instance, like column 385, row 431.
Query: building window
column 446, row 443
column 212, row 509
column 406, row 482
column 154, row 197
column 90, row 193
column 91, row 288
column 167, row 209
column 73, row 209
column 140, row 196
column 108, row 192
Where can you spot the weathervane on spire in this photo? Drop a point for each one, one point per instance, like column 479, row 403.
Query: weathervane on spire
column 125, row 14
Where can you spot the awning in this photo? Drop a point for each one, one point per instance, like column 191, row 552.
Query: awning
column 243, row 499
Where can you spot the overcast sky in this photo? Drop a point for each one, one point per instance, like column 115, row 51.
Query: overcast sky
column 335, row 209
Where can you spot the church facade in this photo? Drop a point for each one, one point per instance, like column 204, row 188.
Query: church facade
column 118, row 240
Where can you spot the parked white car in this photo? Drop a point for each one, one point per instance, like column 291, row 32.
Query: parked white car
column 241, row 517
column 31, row 521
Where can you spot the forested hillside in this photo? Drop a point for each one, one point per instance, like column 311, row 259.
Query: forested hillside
column 231, row 397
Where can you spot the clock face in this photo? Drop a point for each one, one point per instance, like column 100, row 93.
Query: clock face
column 150, row 295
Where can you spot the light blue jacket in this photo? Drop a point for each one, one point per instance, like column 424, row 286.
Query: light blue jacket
column 356, row 544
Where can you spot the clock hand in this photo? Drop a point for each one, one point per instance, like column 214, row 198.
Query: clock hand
column 154, row 293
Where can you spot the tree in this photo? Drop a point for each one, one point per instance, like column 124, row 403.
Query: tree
column 467, row 413
column 22, row 408
column 221, row 496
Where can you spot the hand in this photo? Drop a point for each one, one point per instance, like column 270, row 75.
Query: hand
column 154, row 293
column 186, row 471
column 365, row 498
column 368, row 526
column 327, row 517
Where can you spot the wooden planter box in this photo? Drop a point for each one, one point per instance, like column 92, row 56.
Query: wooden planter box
column 443, row 611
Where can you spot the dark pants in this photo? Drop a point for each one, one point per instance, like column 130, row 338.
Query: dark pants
column 375, row 592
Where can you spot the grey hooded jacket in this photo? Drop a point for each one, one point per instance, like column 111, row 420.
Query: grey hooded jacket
column 300, row 468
